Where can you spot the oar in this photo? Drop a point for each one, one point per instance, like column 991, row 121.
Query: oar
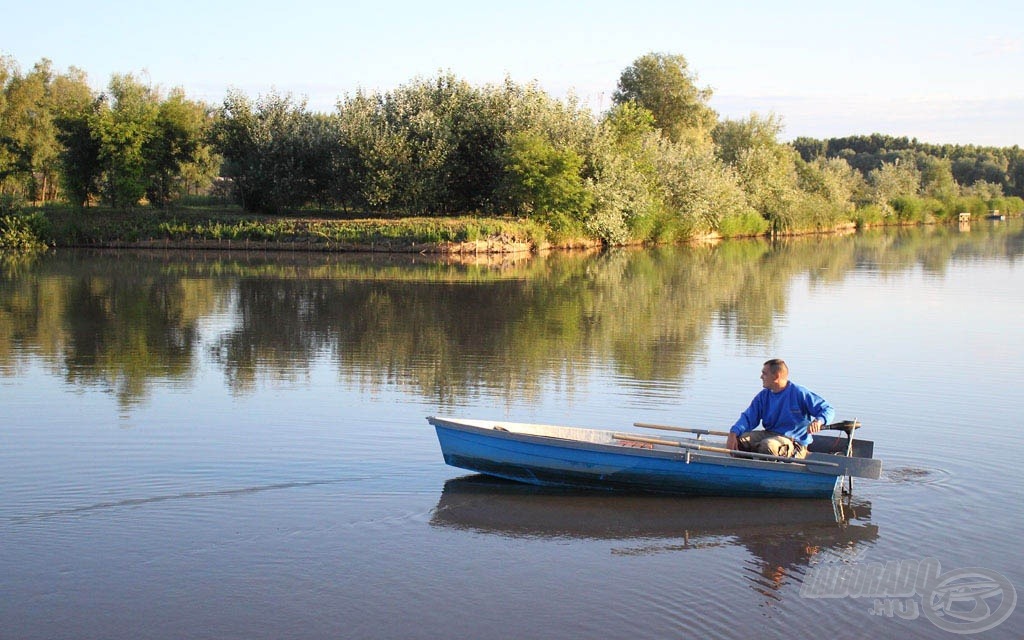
column 699, row 432
column 700, row 447
column 846, row 426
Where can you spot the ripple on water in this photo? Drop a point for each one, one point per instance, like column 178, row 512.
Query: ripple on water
column 915, row 475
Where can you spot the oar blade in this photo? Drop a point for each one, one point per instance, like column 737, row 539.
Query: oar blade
column 855, row 467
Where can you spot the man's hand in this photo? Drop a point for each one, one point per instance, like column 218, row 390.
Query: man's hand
column 730, row 442
column 815, row 426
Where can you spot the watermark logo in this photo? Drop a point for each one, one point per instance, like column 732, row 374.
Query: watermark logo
column 960, row 601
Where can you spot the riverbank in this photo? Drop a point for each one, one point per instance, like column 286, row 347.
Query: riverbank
column 225, row 229
column 230, row 229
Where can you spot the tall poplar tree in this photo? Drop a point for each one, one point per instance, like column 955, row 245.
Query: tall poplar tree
column 664, row 85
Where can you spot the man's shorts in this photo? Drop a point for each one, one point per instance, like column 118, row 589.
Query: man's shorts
column 771, row 443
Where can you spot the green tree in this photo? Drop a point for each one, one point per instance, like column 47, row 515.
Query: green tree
column 197, row 175
column 441, row 146
column 699, row 190
column 664, row 85
column 355, row 121
column 475, row 167
column 81, row 167
column 178, row 141
column 29, row 149
column 125, row 127
column 985, row 190
column 893, row 180
column 733, row 137
column 970, row 163
column 374, row 155
column 546, row 181
column 27, row 127
column 832, row 179
column 937, row 177
column 766, row 167
column 631, row 125
column 75, row 166
column 418, row 118
column 266, row 151
column 623, row 176
column 323, row 156
column 811, row 149
column 1015, row 172
column 69, row 96
column 10, row 160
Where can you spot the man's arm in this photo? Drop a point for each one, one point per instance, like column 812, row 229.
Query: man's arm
column 748, row 421
column 820, row 411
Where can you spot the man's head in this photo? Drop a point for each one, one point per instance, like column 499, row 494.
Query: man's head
column 775, row 375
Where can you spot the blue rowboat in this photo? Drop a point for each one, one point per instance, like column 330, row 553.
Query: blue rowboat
column 585, row 458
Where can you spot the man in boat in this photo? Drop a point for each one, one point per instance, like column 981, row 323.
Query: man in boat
column 789, row 413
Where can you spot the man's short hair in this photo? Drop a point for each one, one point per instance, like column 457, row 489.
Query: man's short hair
column 777, row 366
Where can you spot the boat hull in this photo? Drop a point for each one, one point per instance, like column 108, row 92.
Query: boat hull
column 558, row 462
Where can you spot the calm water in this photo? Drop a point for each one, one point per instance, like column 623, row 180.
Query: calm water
column 234, row 446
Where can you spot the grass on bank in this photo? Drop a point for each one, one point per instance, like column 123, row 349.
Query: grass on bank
column 923, row 210
column 68, row 226
column 32, row 229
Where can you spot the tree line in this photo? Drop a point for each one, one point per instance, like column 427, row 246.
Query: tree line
column 658, row 165
column 969, row 164
column 944, row 171
column 60, row 140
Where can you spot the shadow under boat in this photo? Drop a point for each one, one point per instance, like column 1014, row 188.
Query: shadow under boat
column 491, row 505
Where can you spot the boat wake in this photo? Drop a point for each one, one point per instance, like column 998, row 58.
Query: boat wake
column 187, row 495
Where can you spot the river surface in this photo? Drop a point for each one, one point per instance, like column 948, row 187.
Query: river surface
column 200, row 445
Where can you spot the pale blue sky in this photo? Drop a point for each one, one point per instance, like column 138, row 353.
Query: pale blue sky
column 940, row 71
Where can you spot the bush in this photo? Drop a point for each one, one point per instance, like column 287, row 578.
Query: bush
column 667, row 227
column 1008, row 205
column 814, row 212
column 22, row 233
column 868, row 216
column 909, row 209
column 935, row 209
column 976, row 206
column 749, row 223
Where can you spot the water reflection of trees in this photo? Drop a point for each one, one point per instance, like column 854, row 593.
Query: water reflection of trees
column 114, row 323
column 444, row 330
column 648, row 312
